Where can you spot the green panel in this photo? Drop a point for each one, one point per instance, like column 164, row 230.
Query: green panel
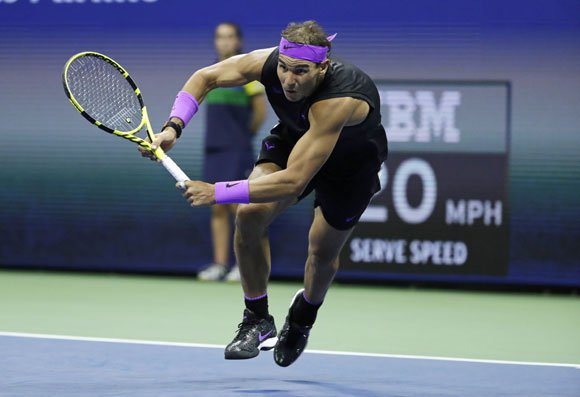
column 227, row 96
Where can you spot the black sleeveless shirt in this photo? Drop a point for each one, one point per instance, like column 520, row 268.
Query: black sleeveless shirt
column 360, row 146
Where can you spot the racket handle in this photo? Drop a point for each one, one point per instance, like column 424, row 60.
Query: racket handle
column 174, row 170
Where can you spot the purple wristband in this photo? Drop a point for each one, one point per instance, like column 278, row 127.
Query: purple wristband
column 234, row 192
column 184, row 107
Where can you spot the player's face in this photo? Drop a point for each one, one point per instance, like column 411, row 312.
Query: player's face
column 299, row 78
column 226, row 41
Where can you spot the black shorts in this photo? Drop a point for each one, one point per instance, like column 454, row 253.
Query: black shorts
column 342, row 199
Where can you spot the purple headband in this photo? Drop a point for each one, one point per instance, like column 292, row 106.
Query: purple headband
column 307, row 52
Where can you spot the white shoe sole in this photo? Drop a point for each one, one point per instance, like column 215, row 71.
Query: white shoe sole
column 268, row 344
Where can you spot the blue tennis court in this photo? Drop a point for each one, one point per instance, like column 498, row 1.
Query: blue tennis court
column 37, row 365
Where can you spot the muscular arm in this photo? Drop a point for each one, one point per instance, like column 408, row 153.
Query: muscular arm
column 327, row 119
column 234, row 71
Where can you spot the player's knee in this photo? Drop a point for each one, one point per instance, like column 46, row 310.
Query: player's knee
column 322, row 257
column 251, row 220
column 323, row 264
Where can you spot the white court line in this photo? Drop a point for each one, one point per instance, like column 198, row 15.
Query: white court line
column 328, row 352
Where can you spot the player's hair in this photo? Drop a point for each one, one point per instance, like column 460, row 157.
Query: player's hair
column 308, row 32
column 235, row 26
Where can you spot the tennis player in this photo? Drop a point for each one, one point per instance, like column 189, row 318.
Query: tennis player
column 329, row 140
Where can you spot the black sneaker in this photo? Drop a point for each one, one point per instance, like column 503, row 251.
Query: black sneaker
column 292, row 339
column 254, row 334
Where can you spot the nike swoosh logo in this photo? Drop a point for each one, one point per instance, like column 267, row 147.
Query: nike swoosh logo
column 232, row 184
column 262, row 337
column 269, row 146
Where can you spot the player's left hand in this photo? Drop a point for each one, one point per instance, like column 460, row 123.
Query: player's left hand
column 165, row 140
column 198, row 193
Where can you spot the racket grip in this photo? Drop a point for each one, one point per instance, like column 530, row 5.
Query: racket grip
column 175, row 171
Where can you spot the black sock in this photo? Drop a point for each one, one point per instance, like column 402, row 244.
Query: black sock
column 304, row 312
column 258, row 305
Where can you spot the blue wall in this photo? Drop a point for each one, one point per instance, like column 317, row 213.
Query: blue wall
column 73, row 197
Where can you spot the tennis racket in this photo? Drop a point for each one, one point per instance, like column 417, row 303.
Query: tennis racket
column 104, row 93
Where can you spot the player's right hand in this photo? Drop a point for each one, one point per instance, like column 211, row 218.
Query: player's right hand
column 165, row 139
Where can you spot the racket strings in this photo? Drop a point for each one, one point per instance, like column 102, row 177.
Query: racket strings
column 104, row 93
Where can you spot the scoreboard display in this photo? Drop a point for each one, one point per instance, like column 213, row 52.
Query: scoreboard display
column 443, row 203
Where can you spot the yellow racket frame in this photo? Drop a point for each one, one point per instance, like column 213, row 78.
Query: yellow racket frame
column 169, row 164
